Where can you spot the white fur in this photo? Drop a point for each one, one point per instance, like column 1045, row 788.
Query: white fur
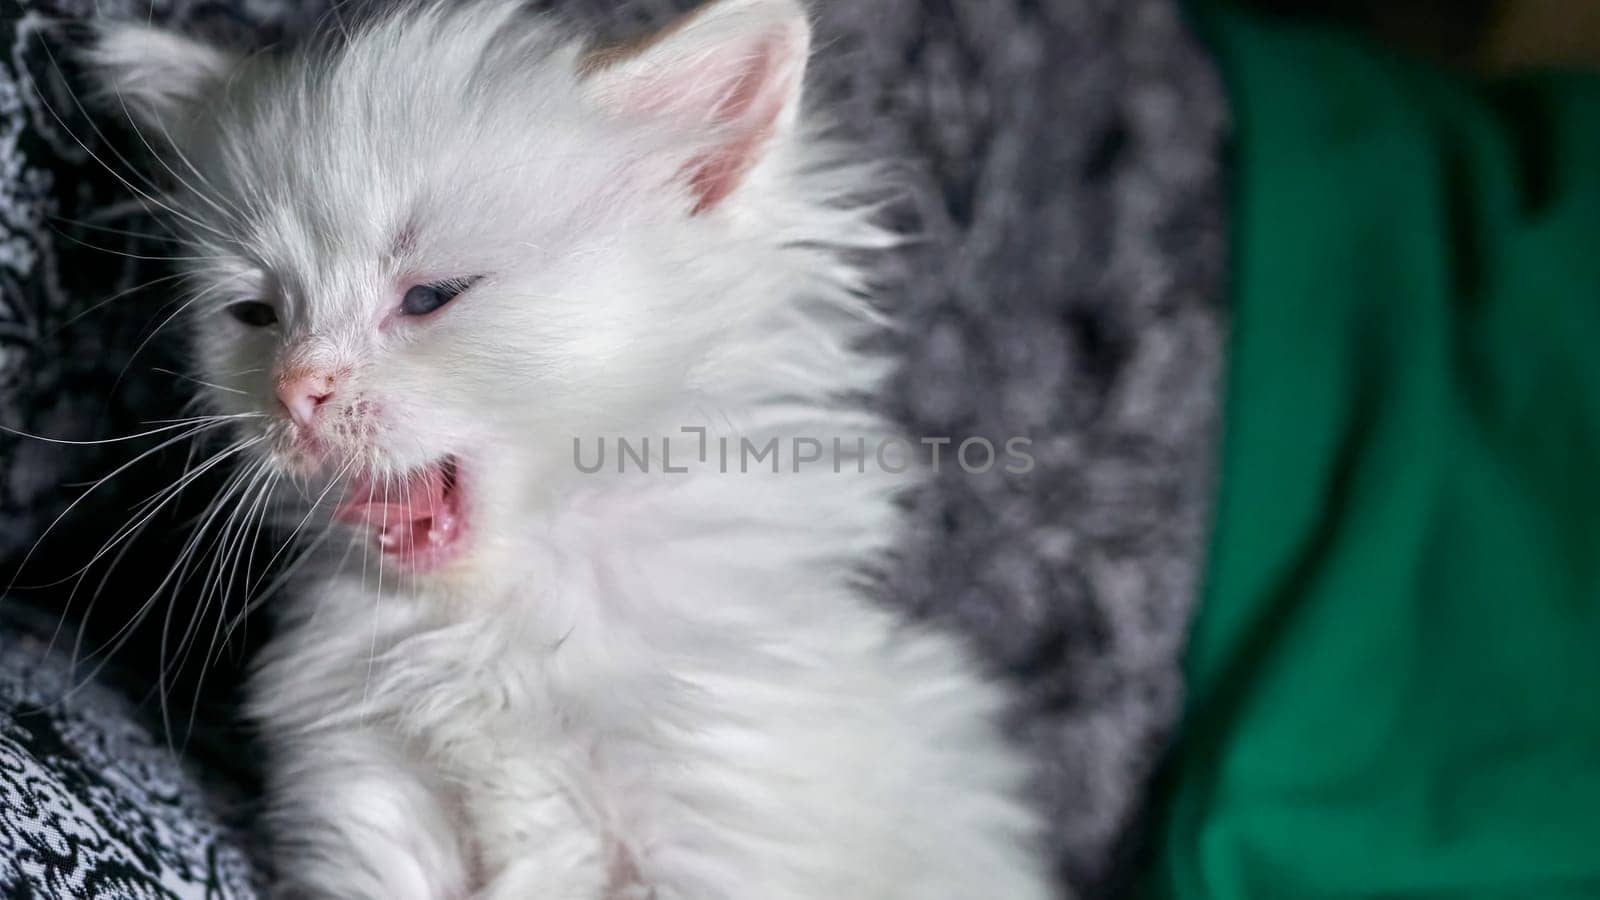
column 639, row 685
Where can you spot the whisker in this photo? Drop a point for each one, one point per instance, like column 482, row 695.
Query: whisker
column 283, row 577
column 169, row 237
column 132, row 208
column 73, row 320
column 377, row 595
column 191, row 378
column 226, row 561
column 137, row 256
column 119, row 638
column 231, row 214
column 54, row 114
column 215, row 288
column 143, row 511
column 27, row 557
column 186, row 559
column 174, row 424
column 311, row 512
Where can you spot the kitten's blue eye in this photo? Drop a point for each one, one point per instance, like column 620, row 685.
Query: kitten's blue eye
column 422, row 299
column 254, row 313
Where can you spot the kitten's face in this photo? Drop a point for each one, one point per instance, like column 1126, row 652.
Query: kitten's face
column 429, row 258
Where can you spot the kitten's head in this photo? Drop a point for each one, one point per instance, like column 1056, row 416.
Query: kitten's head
column 429, row 254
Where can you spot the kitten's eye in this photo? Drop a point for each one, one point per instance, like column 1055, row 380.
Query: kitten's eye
column 422, row 299
column 254, row 313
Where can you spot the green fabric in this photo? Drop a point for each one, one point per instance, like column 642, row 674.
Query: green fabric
column 1395, row 671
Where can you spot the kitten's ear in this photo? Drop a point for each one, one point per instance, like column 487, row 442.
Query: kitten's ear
column 731, row 72
column 163, row 78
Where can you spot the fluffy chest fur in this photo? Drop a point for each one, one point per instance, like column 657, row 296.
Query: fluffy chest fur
column 628, row 690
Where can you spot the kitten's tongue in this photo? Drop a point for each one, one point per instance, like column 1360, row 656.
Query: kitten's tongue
column 414, row 519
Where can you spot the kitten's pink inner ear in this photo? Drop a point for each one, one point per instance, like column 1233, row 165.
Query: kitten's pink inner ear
column 754, row 105
column 731, row 73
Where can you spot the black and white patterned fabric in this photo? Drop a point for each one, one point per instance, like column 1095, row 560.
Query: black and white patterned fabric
column 1063, row 164
column 94, row 806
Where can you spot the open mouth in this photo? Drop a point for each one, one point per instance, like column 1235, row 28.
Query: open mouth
column 417, row 519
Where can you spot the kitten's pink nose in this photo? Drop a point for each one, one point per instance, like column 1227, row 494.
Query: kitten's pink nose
column 302, row 392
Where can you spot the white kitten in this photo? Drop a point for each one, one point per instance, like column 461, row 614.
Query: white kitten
column 434, row 255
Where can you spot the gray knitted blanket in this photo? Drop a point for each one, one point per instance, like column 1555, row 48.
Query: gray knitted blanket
column 1063, row 157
